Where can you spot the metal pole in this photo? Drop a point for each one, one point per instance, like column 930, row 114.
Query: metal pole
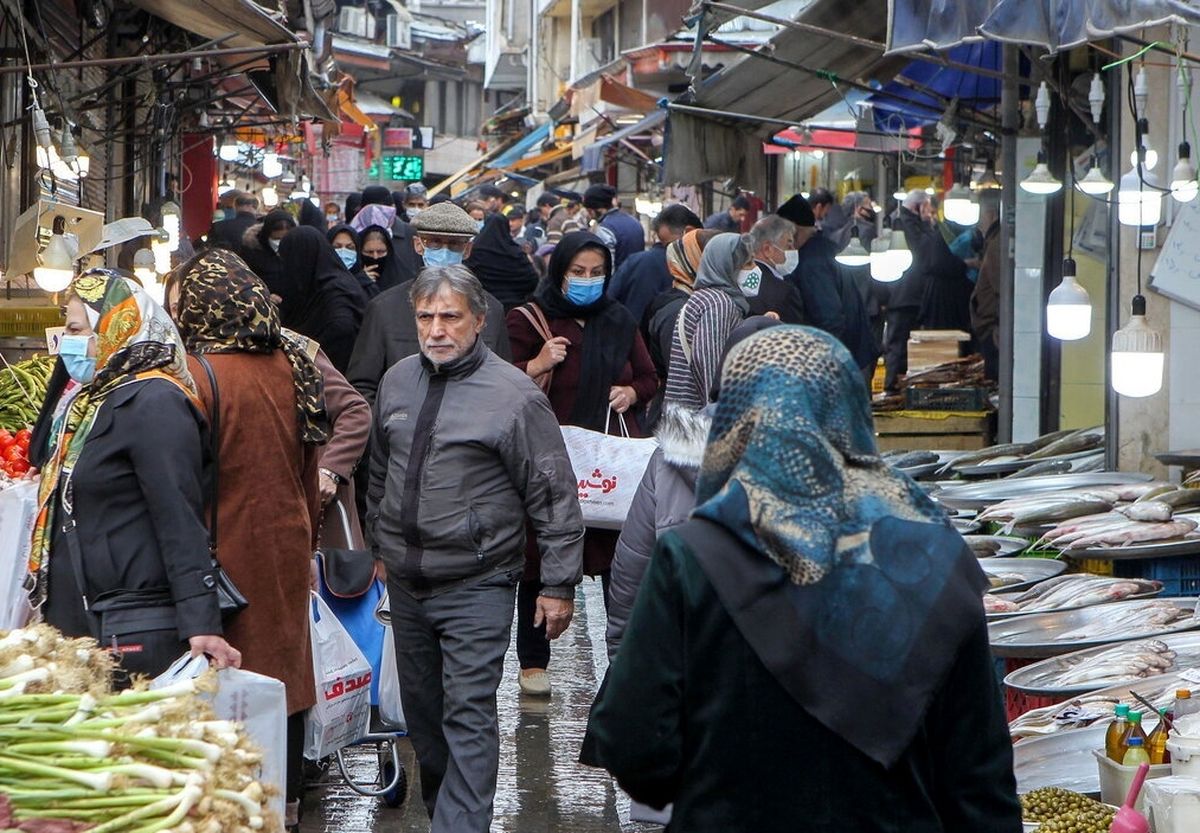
column 1009, row 118
column 164, row 58
column 729, row 114
column 575, row 21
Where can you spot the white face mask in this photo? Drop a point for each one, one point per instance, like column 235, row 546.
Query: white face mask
column 791, row 259
column 274, row 244
column 750, row 281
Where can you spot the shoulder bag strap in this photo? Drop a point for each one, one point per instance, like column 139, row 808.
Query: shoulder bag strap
column 214, row 442
column 75, row 554
column 684, row 344
column 537, row 319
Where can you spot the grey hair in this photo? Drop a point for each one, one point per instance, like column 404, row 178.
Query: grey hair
column 915, row 198
column 460, row 279
column 769, row 229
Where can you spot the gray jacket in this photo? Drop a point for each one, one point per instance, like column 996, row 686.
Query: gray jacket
column 460, row 456
column 389, row 334
column 664, row 499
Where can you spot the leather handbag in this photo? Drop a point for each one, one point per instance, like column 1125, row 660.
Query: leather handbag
column 347, row 573
column 541, row 326
column 229, row 598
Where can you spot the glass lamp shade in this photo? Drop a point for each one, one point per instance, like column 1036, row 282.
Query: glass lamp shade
column 1069, row 309
column 1095, row 183
column 898, row 253
column 960, row 206
column 1040, row 181
column 1139, row 207
column 854, row 254
column 57, row 267
column 271, row 166
column 1137, row 355
column 883, row 268
column 269, row 196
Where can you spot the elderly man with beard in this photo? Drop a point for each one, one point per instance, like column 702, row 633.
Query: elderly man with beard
column 446, row 513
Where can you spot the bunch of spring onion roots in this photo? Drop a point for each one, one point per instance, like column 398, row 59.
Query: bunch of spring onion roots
column 75, row 756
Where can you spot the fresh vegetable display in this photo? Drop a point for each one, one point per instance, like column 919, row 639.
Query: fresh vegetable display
column 1062, row 811
column 76, row 756
column 22, row 390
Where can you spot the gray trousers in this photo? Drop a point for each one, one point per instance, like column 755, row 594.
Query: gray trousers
column 450, row 658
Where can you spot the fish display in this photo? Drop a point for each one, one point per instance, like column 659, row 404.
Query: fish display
column 1069, row 444
column 1131, row 660
column 1044, row 467
column 1145, row 617
column 1152, row 521
column 983, row 547
column 1046, row 508
column 1097, row 708
column 1071, row 591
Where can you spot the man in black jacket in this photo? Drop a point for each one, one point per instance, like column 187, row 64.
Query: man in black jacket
column 227, row 234
column 773, row 247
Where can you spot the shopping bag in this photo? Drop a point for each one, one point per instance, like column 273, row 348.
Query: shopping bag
column 391, row 711
column 256, row 701
column 18, row 511
column 646, row 813
column 357, row 616
column 343, row 676
column 607, row 470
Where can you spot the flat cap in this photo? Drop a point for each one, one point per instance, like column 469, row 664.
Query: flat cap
column 798, row 211
column 445, row 219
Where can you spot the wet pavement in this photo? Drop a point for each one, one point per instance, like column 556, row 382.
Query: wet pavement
column 542, row 787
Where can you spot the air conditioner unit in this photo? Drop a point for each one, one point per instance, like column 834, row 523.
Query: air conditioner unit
column 356, row 21
column 399, row 34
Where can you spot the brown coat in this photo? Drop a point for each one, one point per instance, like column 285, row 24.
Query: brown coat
column 350, row 421
column 985, row 300
column 268, row 506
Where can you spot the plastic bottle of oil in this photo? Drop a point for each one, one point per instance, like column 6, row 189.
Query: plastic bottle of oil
column 1116, row 731
column 1135, row 754
column 1156, row 744
column 1134, row 730
column 1185, row 703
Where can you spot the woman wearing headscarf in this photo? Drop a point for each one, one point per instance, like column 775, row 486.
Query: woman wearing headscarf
column 715, row 307
column 500, row 263
column 379, row 258
column 347, row 245
column 326, row 304
column 799, row 643
column 260, row 249
column 119, row 445
column 379, row 209
column 597, row 375
column 271, row 419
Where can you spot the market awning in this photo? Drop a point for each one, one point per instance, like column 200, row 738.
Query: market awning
column 593, row 154
column 527, row 143
column 1052, row 24
column 900, row 105
column 544, row 158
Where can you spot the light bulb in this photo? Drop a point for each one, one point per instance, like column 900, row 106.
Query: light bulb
column 1069, row 309
column 170, row 223
column 271, row 166
column 229, row 150
column 1042, row 105
column 56, row 267
column 854, row 254
column 269, row 196
column 899, row 256
column 960, row 206
column 224, row 187
column 1095, row 183
column 162, row 254
column 1040, row 181
column 67, row 151
column 882, row 267
column 62, row 170
column 1137, row 355
column 1139, row 207
column 1096, row 97
column 818, row 153
column 1141, row 92
column 1183, row 180
column 1151, row 157
column 155, row 289
column 899, row 196
column 83, row 162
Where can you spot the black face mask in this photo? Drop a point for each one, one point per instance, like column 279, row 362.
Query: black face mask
column 367, row 260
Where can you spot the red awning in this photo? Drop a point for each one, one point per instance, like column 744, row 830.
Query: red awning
column 791, row 139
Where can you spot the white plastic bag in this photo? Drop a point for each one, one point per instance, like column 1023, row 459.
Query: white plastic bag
column 608, row 470
column 343, row 710
column 391, row 710
column 256, row 701
column 18, row 511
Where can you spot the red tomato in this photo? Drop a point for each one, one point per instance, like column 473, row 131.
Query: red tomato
column 6, row 438
column 23, row 437
column 14, row 452
column 17, row 468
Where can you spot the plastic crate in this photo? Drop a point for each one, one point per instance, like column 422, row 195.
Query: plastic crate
column 1097, row 566
column 1180, row 574
column 1016, row 703
column 946, row 399
column 28, row 321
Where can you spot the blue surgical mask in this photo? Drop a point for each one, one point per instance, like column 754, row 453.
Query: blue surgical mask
column 74, row 352
column 584, row 291
column 348, row 256
column 443, row 256
column 479, row 225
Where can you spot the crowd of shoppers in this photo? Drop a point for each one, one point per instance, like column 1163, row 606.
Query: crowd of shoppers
column 397, row 382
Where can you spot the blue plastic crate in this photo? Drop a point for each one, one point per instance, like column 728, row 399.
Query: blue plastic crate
column 1180, row 575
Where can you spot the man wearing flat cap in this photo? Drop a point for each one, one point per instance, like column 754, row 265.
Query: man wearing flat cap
column 443, row 238
column 621, row 232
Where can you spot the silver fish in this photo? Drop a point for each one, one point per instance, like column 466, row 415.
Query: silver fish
column 1137, row 532
column 984, row 454
column 1068, row 445
column 1149, row 510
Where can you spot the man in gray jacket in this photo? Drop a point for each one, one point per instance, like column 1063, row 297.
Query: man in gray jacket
column 464, row 448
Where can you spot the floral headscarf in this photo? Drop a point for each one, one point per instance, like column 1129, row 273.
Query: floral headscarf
column 225, row 308
column 135, row 340
column 683, row 257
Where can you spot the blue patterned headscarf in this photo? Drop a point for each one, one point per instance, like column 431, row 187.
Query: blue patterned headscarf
column 874, row 593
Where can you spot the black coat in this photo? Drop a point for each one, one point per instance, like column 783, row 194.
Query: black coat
column 640, row 279
column 139, row 510
column 690, row 714
column 779, row 296
column 409, row 262
column 228, row 233
column 817, row 278
column 389, row 334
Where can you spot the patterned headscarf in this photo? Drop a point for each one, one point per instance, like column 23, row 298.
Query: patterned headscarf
column 135, row 340
column 792, row 471
column 225, row 308
column 683, row 257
